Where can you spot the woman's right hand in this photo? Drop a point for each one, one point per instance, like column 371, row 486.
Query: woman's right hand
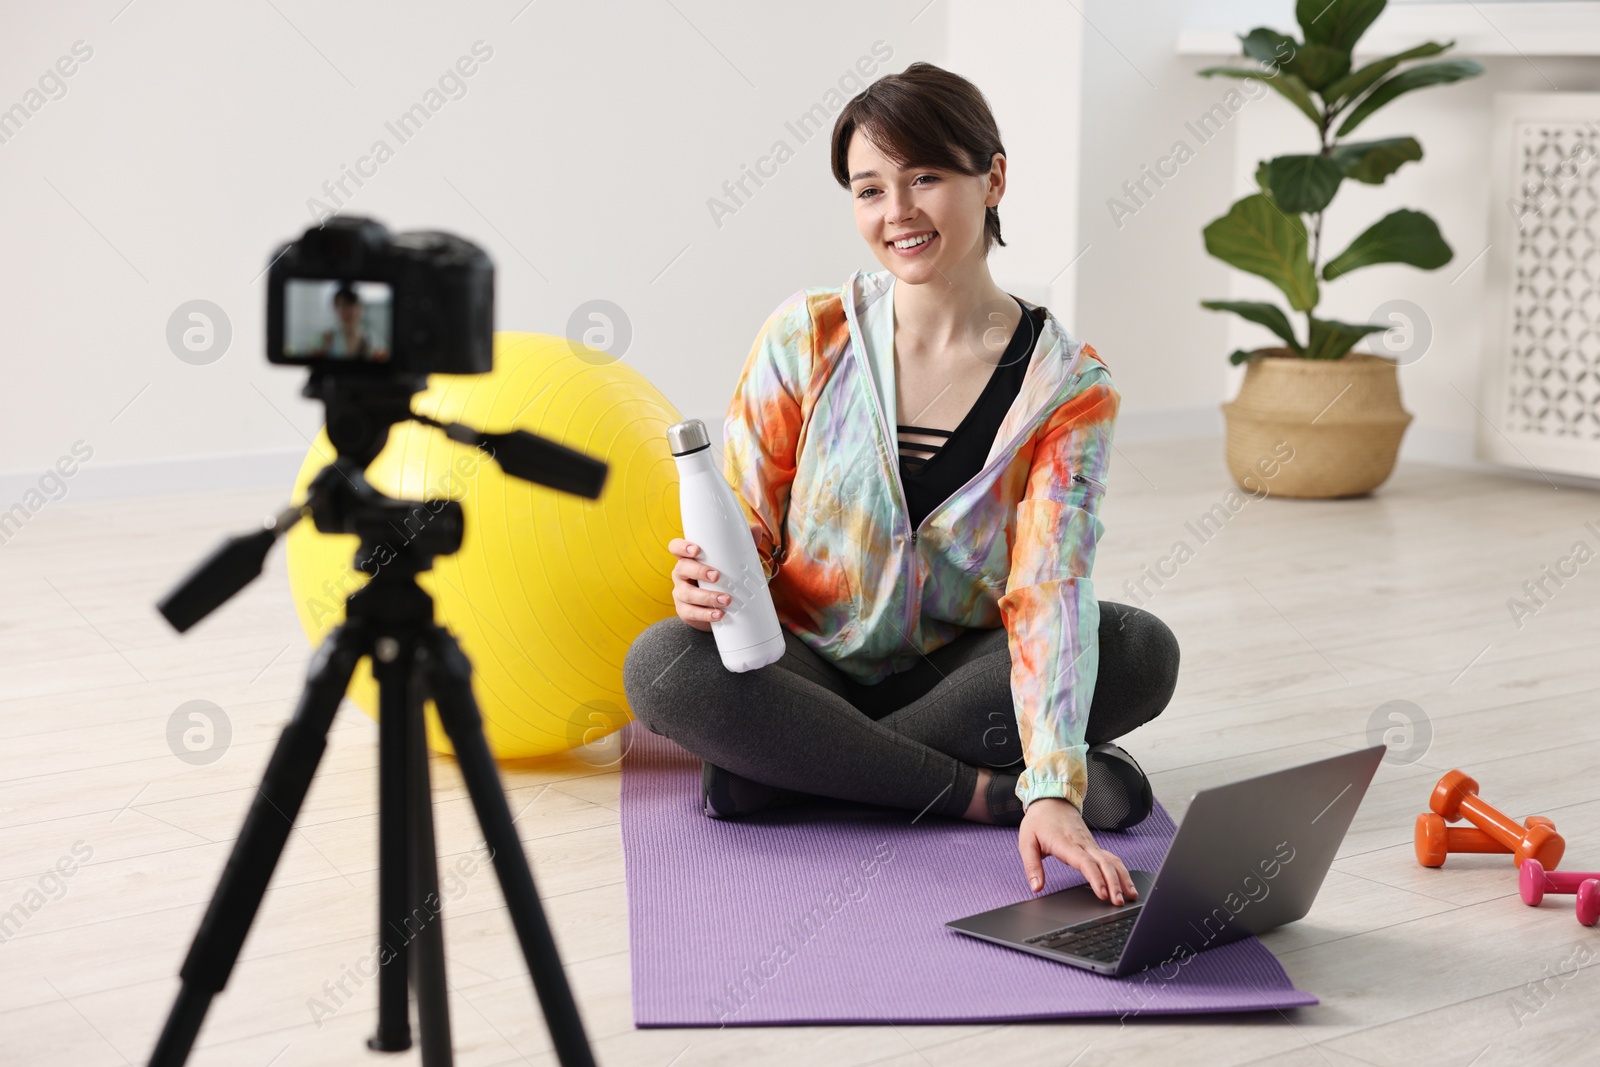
column 1053, row 827
column 696, row 606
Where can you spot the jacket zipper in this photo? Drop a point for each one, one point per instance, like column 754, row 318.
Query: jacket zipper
column 864, row 367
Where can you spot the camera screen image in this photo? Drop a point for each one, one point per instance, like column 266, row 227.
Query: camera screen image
column 327, row 319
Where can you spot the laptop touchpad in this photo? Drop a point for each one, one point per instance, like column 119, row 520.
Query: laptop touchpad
column 1079, row 904
column 1052, row 911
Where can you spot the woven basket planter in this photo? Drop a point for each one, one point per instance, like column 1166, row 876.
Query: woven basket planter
column 1341, row 417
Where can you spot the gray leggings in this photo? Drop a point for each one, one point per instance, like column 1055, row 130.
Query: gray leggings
column 913, row 741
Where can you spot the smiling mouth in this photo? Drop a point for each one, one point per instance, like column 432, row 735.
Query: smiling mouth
column 914, row 242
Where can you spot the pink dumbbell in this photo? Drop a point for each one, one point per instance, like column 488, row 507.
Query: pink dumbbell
column 1535, row 882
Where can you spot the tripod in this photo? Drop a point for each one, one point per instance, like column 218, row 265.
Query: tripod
column 391, row 620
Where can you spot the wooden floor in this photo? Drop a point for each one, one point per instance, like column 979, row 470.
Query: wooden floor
column 1298, row 620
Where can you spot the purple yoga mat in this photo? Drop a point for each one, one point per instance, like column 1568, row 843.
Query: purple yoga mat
column 831, row 912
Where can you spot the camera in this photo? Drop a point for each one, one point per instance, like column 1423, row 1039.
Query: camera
column 350, row 297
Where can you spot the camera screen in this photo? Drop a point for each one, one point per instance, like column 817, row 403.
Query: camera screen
column 326, row 319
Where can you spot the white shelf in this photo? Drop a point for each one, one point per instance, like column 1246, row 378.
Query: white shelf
column 1488, row 29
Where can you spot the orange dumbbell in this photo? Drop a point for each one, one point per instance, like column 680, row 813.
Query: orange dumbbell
column 1435, row 840
column 1456, row 795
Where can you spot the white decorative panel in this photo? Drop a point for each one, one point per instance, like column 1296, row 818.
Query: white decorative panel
column 1541, row 395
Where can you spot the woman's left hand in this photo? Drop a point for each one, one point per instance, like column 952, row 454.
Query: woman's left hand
column 1052, row 826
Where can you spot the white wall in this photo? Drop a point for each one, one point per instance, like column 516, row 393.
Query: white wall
column 1140, row 282
column 582, row 156
column 1026, row 57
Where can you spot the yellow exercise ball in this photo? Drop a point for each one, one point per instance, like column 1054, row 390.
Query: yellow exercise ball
column 548, row 589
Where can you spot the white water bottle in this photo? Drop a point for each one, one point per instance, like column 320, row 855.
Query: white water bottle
column 748, row 634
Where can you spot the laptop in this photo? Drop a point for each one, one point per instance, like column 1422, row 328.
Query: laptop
column 1248, row 857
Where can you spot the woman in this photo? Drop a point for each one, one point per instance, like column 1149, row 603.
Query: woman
column 945, row 650
column 349, row 338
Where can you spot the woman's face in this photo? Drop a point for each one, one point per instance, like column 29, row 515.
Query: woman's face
column 349, row 312
column 894, row 205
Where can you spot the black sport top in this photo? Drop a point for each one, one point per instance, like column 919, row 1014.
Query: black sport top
column 930, row 475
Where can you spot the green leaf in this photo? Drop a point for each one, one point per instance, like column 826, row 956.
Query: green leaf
column 1303, row 184
column 1373, row 161
column 1314, row 64
column 1262, row 314
column 1400, row 237
column 1261, row 178
column 1353, row 85
column 1440, row 73
column 1337, row 24
column 1241, row 356
column 1268, row 47
column 1319, row 65
column 1331, row 340
column 1288, row 86
column 1257, row 236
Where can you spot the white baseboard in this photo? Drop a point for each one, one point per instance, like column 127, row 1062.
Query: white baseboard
column 94, row 480
column 1421, row 444
column 1168, row 424
column 1443, row 448
column 111, row 481
column 1457, row 448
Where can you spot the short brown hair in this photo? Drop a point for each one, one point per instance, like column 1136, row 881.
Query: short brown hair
column 924, row 116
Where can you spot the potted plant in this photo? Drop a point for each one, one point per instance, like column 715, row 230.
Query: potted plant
column 1348, row 447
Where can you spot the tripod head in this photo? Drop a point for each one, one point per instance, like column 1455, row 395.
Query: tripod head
column 360, row 412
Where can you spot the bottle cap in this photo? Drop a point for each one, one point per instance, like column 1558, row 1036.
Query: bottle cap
column 687, row 436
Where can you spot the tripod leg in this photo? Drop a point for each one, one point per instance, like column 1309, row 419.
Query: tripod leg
column 450, row 680
column 392, row 663
column 427, row 964
column 261, row 840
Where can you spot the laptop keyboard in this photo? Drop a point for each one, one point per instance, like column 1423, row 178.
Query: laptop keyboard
column 1099, row 941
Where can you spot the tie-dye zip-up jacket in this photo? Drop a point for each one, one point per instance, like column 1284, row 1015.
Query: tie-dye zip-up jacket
column 814, row 464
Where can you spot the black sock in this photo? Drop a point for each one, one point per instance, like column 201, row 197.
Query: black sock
column 1005, row 808
column 725, row 795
